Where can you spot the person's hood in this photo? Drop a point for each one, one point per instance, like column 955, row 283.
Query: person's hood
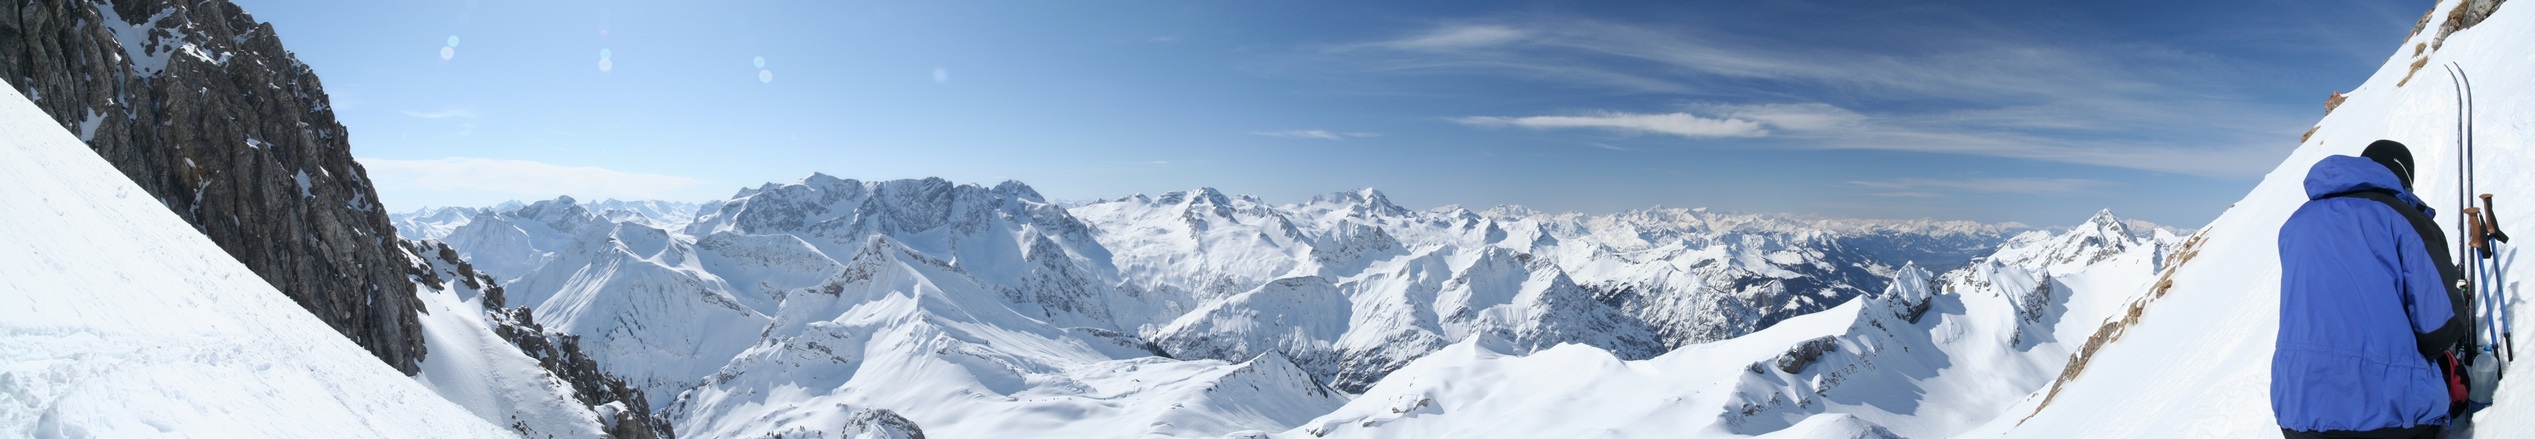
column 2342, row 174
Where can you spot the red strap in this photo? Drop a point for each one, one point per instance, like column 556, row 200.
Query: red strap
column 2455, row 378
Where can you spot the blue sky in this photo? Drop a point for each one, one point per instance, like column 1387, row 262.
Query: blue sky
column 2038, row 112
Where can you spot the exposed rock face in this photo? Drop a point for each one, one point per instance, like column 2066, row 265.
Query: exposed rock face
column 200, row 104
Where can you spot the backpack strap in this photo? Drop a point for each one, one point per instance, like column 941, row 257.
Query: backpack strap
column 2439, row 341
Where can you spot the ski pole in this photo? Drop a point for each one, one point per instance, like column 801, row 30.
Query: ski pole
column 2497, row 295
column 2483, row 306
column 2475, row 235
column 2495, row 276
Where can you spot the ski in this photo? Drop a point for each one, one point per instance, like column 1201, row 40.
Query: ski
column 2487, row 232
column 2481, row 231
column 2485, row 333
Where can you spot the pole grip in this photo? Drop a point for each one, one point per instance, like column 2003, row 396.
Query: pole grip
column 2476, row 234
column 2491, row 219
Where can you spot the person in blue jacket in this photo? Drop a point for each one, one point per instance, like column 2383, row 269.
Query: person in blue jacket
column 2366, row 303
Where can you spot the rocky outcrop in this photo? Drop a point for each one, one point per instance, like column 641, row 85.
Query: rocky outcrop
column 623, row 410
column 881, row 424
column 200, row 104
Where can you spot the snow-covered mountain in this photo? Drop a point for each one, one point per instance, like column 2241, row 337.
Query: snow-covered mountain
column 439, row 222
column 793, row 307
column 801, row 308
column 125, row 321
column 1930, row 355
column 1367, row 285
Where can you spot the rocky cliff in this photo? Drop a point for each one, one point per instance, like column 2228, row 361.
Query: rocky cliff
column 200, row 104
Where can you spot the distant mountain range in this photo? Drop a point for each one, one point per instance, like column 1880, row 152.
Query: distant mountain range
column 945, row 288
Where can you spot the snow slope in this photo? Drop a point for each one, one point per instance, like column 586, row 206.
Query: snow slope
column 119, row 320
column 2196, row 363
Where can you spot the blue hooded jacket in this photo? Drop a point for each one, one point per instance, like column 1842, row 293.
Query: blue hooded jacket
column 2357, row 287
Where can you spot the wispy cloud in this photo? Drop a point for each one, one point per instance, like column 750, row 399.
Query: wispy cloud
column 1564, row 50
column 1317, row 134
column 1792, row 117
column 2102, row 104
column 451, row 113
column 464, row 118
column 1457, row 37
column 1678, row 124
column 1921, row 187
column 521, row 178
column 1821, row 126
